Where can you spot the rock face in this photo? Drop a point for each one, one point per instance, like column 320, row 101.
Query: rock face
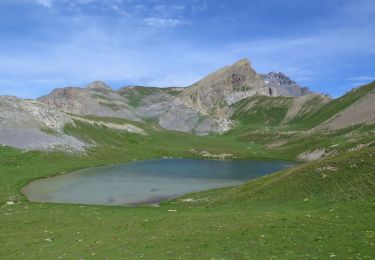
column 237, row 96
column 310, row 156
column 280, row 85
column 99, row 86
column 169, row 110
column 96, row 99
column 21, row 113
column 225, row 87
column 28, row 124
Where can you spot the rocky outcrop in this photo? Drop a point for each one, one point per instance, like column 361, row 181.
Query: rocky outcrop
column 130, row 128
column 35, row 139
column 29, row 125
column 213, row 125
column 96, row 99
column 313, row 155
column 174, row 114
column 280, row 85
column 237, row 96
column 21, row 113
column 99, row 86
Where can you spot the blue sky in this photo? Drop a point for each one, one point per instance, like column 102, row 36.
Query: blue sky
column 326, row 45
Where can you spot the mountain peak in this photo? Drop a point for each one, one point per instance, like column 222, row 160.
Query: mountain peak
column 283, row 85
column 98, row 85
column 242, row 62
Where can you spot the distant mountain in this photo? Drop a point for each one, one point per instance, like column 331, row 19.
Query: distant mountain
column 225, row 87
column 96, row 99
column 232, row 97
column 232, row 84
column 203, row 108
column 280, row 85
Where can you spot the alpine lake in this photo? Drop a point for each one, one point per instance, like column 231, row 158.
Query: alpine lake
column 147, row 182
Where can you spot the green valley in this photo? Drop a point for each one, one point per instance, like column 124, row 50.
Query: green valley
column 319, row 209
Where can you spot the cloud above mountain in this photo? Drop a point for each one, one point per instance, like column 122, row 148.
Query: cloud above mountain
column 48, row 43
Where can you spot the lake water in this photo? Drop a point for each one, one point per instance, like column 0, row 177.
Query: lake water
column 147, row 182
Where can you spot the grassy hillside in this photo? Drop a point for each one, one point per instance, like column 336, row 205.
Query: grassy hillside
column 317, row 210
column 349, row 176
column 157, row 142
column 262, row 111
column 136, row 94
column 309, row 121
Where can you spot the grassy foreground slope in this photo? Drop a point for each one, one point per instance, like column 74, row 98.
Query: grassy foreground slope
column 317, row 210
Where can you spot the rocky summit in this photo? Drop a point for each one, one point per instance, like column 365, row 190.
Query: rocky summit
column 280, row 85
column 224, row 87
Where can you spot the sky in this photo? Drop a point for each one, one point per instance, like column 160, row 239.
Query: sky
column 328, row 46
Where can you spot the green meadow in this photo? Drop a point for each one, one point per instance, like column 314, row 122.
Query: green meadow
column 317, row 210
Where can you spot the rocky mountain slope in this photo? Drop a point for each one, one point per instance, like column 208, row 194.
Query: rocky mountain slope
column 232, row 84
column 29, row 124
column 229, row 98
column 96, row 99
column 136, row 104
column 280, row 85
column 202, row 108
column 362, row 111
column 225, row 87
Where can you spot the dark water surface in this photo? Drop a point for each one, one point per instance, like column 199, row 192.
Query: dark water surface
column 147, row 182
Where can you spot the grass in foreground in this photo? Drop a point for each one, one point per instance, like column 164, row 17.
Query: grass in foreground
column 317, row 210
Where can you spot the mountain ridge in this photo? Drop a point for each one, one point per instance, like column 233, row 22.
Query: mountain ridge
column 202, row 108
column 231, row 98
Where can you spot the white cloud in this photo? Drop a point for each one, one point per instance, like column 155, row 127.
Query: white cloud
column 45, row 3
column 362, row 78
column 123, row 51
column 163, row 22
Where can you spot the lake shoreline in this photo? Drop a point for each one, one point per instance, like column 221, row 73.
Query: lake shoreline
column 154, row 195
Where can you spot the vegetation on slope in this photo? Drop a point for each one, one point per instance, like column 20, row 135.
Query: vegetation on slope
column 318, row 210
column 262, row 111
column 345, row 177
column 136, row 94
column 309, row 121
